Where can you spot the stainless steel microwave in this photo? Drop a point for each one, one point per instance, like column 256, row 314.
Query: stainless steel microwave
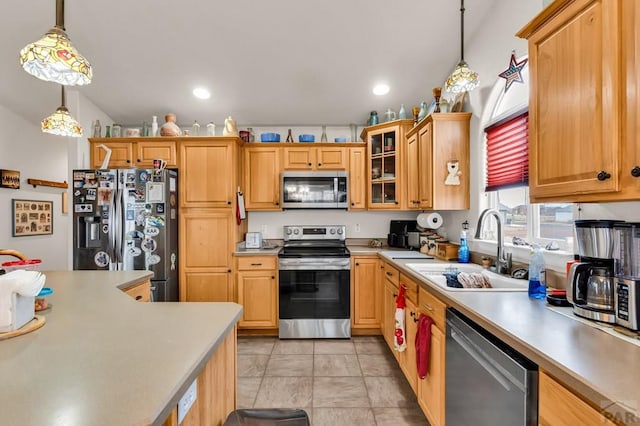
column 315, row 190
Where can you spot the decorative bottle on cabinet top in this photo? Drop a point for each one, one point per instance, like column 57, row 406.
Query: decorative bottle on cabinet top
column 154, row 125
column 170, row 128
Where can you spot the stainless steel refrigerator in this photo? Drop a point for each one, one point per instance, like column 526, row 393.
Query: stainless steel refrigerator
column 127, row 219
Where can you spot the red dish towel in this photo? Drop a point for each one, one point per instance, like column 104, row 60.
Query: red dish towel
column 423, row 343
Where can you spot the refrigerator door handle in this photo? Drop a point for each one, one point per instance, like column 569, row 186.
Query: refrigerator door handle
column 119, row 230
column 111, row 225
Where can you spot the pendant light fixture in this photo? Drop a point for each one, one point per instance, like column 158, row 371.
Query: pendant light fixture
column 61, row 123
column 53, row 58
column 463, row 78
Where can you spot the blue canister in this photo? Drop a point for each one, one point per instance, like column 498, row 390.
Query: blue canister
column 373, row 118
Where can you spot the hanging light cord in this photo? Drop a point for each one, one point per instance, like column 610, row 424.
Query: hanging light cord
column 461, row 30
column 60, row 14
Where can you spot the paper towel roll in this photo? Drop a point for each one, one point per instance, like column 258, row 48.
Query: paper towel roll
column 430, row 220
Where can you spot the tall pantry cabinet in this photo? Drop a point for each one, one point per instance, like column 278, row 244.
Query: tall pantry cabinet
column 209, row 176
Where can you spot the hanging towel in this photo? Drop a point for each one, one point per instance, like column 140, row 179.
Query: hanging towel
column 423, row 344
column 240, row 212
column 400, row 340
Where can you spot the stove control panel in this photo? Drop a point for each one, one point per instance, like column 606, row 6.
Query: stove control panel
column 311, row 232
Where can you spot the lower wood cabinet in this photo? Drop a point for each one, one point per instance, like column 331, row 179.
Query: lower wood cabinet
column 559, row 406
column 408, row 364
column 388, row 314
column 140, row 292
column 217, row 388
column 257, row 289
column 431, row 389
column 206, row 287
column 366, row 291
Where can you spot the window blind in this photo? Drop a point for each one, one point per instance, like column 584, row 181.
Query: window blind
column 507, row 152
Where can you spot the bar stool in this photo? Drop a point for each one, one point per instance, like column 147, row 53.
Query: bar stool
column 268, row 417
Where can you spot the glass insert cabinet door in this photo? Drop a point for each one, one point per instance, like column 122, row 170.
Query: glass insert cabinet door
column 384, row 162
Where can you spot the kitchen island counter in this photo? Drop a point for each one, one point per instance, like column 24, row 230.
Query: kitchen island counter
column 602, row 368
column 103, row 358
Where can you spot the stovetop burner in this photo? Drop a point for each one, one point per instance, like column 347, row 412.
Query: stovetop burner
column 314, row 241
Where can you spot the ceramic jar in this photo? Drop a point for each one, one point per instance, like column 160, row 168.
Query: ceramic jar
column 170, row 128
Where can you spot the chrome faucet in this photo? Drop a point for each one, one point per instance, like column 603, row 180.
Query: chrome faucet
column 503, row 259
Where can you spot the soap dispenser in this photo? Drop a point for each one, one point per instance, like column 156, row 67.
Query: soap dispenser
column 463, row 250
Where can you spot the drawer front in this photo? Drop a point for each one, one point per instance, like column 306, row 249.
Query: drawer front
column 432, row 306
column 391, row 273
column 253, row 263
column 411, row 288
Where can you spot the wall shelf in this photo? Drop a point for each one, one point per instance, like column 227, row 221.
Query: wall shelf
column 36, row 182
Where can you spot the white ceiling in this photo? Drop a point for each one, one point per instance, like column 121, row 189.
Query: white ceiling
column 269, row 62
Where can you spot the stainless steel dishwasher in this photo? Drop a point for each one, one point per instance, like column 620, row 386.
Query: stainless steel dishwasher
column 487, row 382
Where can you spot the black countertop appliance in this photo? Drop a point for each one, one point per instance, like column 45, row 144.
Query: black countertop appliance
column 402, row 233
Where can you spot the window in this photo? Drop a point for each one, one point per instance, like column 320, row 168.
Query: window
column 541, row 223
column 507, row 177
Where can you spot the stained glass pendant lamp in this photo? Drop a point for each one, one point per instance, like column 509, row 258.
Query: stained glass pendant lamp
column 463, row 78
column 61, row 123
column 53, row 58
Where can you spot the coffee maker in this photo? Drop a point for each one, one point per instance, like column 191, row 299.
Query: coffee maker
column 627, row 274
column 591, row 280
column 403, row 234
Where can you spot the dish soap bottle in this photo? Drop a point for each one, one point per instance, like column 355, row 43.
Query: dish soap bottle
column 463, row 250
column 537, row 287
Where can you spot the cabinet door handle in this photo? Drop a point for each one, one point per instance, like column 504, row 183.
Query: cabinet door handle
column 429, row 308
column 635, row 172
column 128, row 161
column 357, row 264
column 277, row 203
column 603, row 175
column 389, row 274
column 273, row 277
column 139, row 160
column 138, row 297
column 395, row 202
column 229, row 203
column 228, row 270
column 256, row 264
column 395, row 295
column 353, row 204
column 319, row 164
column 310, row 164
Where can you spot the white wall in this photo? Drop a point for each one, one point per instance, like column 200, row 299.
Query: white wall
column 371, row 224
column 488, row 52
column 23, row 147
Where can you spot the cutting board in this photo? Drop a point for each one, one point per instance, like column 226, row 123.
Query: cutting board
column 37, row 322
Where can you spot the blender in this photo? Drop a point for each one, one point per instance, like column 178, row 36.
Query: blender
column 591, row 280
column 627, row 274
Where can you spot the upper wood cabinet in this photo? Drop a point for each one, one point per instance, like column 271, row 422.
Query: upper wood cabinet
column 133, row 152
column 315, row 158
column 583, row 106
column 261, row 177
column 386, row 143
column 357, row 179
column 438, row 162
column 207, row 170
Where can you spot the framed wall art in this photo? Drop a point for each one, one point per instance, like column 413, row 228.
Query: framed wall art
column 9, row 179
column 32, row 217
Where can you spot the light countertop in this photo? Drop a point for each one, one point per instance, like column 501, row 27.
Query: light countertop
column 103, row 358
column 601, row 367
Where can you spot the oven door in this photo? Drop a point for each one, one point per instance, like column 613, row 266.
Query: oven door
column 314, row 299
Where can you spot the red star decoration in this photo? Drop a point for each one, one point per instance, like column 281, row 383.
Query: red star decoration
column 514, row 72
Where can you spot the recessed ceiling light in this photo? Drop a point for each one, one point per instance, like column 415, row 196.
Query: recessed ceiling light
column 380, row 89
column 201, row 93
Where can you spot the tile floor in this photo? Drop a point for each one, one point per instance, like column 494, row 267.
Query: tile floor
column 338, row 382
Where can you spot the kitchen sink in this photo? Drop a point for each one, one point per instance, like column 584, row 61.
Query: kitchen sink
column 434, row 273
